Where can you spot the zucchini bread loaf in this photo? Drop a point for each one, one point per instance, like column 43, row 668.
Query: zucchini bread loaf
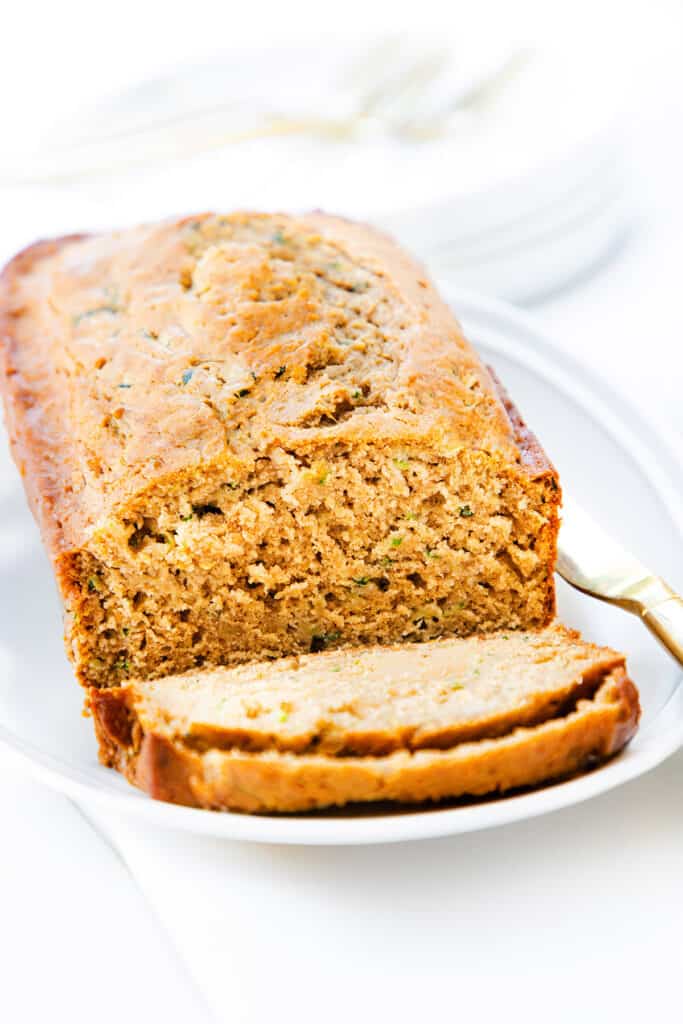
column 248, row 436
column 409, row 723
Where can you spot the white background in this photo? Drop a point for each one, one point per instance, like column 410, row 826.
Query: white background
column 572, row 917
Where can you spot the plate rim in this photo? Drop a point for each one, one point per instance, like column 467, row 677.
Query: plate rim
column 639, row 436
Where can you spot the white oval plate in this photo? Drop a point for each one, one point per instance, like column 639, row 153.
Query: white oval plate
column 608, row 457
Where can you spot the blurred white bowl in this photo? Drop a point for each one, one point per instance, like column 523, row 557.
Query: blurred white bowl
column 497, row 164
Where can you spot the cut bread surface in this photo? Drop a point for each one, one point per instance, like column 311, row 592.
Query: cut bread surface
column 419, row 722
column 375, row 700
column 253, row 435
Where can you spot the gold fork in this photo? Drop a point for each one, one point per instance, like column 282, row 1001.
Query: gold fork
column 590, row 560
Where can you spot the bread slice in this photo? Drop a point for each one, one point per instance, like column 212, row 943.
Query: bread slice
column 254, row 435
column 428, row 721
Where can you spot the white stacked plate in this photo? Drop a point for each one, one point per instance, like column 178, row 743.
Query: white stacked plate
column 495, row 162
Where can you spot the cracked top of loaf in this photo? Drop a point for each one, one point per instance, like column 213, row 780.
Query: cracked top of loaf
column 141, row 356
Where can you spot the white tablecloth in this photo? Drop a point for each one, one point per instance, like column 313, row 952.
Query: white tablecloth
column 552, row 919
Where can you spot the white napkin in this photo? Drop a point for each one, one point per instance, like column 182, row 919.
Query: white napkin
column 73, row 922
column 550, row 918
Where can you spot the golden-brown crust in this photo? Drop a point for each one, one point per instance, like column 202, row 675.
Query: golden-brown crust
column 75, row 472
column 536, row 460
column 530, row 449
column 20, row 395
column 273, row 782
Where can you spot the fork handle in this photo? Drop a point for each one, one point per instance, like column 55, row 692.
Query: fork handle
column 664, row 618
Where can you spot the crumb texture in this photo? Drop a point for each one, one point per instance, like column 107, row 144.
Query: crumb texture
column 251, row 435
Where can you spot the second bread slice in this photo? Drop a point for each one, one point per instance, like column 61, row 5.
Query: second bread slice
column 506, row 705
